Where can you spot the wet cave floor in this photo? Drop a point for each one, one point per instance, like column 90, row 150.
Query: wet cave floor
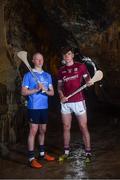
column 105, row 164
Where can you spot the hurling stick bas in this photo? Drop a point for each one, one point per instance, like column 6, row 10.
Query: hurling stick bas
column 23, row 56
column 97, row 77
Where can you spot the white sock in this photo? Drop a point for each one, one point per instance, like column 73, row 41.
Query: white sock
column 30, row 159
column 42, row 153
column 67, row 152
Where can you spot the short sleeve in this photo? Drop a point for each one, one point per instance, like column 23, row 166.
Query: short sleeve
column 50, row 81
column 59, row 76
column 25, row 82
column 85, row 71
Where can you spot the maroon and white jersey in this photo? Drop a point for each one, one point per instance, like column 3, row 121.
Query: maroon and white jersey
column 71, row 77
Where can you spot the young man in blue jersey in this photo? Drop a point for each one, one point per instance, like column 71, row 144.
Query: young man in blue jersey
column 37, row 94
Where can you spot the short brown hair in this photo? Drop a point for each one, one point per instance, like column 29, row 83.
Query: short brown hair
column 64, row 50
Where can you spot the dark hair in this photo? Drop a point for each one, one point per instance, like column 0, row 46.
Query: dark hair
column 64, row 50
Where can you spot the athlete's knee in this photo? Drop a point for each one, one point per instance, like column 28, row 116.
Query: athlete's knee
column 33, row 131
column 83, row 126
column 42, row 130
column 67, row 127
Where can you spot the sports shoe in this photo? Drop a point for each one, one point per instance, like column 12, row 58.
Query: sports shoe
column 35, row 164
column 88, row 158
column 48, row 157
column 63, row 158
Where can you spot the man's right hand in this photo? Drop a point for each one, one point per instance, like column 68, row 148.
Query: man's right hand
column 40, row 86
column 63, row 99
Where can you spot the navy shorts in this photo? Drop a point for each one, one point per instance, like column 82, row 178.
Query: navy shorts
column 38, row 116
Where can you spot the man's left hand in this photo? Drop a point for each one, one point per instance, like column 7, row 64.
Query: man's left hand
column 90, row 83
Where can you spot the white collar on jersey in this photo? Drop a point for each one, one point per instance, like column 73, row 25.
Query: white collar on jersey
column 40, row 72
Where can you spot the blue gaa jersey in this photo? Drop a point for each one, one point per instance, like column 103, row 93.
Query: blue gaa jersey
column 37, row 100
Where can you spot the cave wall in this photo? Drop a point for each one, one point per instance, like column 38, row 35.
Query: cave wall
column 105, row 48
column 6, row 69
column 7, row 83
column 10, row 80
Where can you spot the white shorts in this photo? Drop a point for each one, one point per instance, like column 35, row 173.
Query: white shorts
column 73, row 107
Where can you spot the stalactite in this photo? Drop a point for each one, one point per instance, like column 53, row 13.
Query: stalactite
column 2, row 135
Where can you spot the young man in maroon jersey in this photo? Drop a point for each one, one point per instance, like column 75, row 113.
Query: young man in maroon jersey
column 70, row 77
